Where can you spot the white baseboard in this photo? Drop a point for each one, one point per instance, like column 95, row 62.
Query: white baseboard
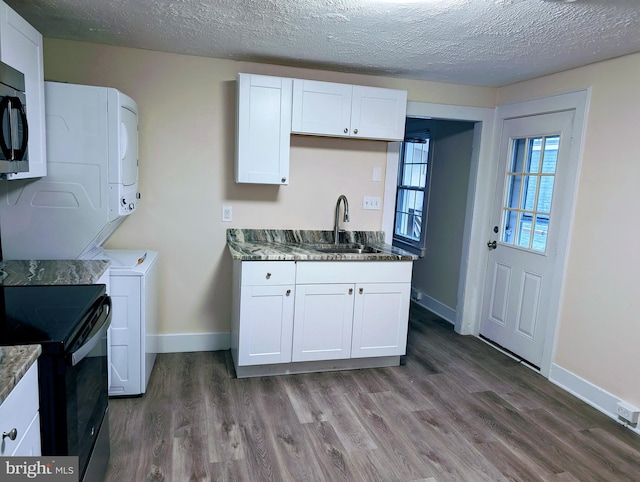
column 433, row 305
column 589, row 393
column 186, row 342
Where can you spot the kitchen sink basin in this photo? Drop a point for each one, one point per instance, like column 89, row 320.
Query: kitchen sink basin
column 344, row 248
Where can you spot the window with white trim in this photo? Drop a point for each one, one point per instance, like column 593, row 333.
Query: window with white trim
column 412, row 193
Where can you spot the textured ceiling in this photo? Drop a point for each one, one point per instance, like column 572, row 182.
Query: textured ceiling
column 480, row 42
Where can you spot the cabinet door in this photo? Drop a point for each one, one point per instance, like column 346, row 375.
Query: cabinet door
column 323, row 319
column 266, row 324
column 380, row 319
column 125, row 336
column 29, row 445
column 19, row 412
column 321, row 108
column 263, row 129
column 378, row 113
column 21, row 48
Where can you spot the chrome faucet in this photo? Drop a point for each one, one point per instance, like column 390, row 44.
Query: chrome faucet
column 337, row 218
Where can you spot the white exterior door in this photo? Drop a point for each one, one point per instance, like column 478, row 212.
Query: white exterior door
column 528, row 221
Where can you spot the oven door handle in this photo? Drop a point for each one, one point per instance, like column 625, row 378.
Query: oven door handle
column 96, row 334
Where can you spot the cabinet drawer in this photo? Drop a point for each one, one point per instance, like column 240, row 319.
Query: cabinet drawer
column 353, row 272
column 268, row 273
column 18, row 409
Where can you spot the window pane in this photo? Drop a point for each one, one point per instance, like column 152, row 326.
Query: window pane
column 513, row 191
column 518, row 155
column 529, row 192
column 406, row 174
column 524, row 230
column 546, row 193
column 412, row 184
column 416, row 171
column 534, row 161
column 509, row 223
column 540, row 233
column 550, row 154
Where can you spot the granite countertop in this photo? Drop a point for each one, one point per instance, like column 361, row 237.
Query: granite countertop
column 16, row 360
column 294, row 245
column 52, row 272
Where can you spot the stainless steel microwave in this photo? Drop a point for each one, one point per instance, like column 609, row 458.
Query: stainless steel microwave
column 14, row 130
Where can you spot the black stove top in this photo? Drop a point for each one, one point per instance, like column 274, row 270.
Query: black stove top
column 46, row 315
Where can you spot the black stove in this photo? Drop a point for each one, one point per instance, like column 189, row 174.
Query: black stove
column 58, row 317
column 70, row 322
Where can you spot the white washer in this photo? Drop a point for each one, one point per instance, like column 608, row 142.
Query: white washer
column 133, row 279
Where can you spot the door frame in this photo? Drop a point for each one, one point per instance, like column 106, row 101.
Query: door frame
column 578, row 101
column 481, row 193
column 477, row 212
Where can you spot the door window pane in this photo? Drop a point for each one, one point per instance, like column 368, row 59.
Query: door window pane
column 530, row 181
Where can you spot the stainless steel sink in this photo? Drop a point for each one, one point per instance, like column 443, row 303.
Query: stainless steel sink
column 344, row 248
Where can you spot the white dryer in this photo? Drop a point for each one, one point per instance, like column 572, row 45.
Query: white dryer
column 133, row 279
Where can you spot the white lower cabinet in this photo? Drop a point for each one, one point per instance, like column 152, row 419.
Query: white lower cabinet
column 312, row 311
column 322, row 322
column 380, row 319
column 263, row 312
column 19, row 417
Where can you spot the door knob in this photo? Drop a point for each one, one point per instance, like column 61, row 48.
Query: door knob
column 492, row 244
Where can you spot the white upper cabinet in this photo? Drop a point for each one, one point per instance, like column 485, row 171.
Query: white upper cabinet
column 263, row 129
column 341, row 110
column 21, row 48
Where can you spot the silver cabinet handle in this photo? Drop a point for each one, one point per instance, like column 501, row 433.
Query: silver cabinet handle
column 288, row 293
column 350, row 291
column 284, row 179
column 346, row 130
column 268, row 275
column 361, row 290
column 12, row 434
column 355, row 131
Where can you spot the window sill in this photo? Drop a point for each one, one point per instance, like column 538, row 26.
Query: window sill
column 412, row 248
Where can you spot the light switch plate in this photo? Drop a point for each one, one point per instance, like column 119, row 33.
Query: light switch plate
column 377, row 174
column 227, row 214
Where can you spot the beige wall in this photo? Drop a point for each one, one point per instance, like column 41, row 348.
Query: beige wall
column 187, row 129
column 599, row 328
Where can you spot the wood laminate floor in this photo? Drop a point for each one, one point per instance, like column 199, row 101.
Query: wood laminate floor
column 458, row 410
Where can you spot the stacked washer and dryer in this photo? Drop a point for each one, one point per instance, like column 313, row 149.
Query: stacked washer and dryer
column 90, row 188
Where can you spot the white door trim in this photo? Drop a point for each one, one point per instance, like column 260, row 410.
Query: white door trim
column 478, row 210
column 578, row 101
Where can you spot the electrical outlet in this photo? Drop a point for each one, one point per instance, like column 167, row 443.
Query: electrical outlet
column 227, row 214
column 628, row 412
column 371, row 202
